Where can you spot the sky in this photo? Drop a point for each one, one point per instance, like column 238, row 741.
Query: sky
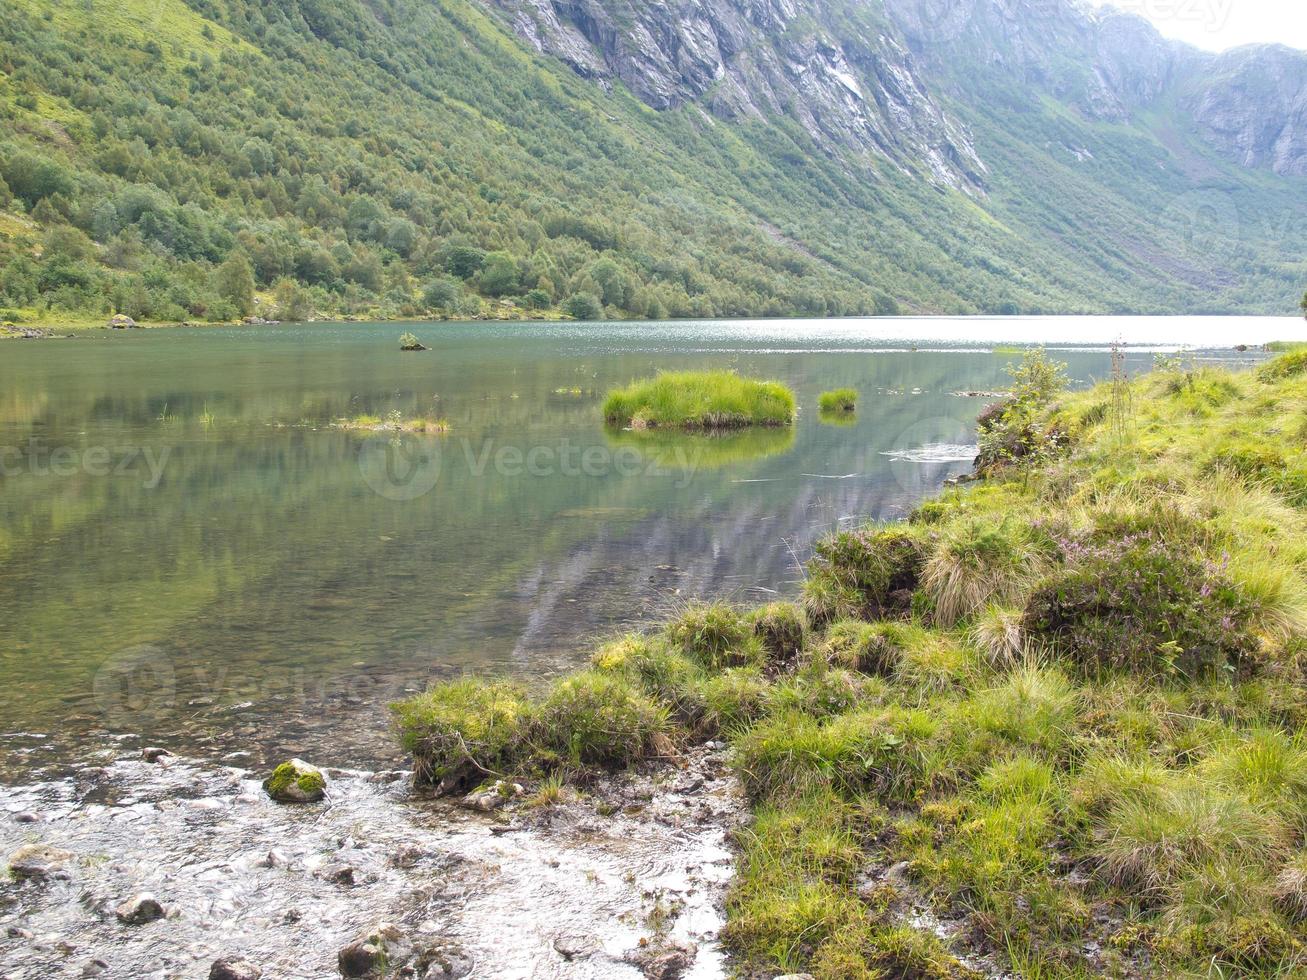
column 1219, row 24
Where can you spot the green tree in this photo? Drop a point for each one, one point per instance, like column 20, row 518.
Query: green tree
column 293, row 303
column 499, row 275
column 583, row 306
column 234, row 282
column 440, row 294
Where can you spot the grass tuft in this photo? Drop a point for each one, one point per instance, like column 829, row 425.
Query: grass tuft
column 699, row 400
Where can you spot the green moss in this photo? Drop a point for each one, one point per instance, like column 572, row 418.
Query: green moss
column 700, row 400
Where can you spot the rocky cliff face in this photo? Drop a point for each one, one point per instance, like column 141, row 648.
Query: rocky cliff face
column 869, row 76
column 847, row 81
column 1249, row 104
column 1252, row 104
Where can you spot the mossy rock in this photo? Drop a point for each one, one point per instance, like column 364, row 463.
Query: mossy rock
column 296, row 782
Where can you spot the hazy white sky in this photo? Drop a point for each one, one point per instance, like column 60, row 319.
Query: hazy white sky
column 1220, row 24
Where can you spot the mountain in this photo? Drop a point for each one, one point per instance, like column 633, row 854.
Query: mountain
column 212, row 158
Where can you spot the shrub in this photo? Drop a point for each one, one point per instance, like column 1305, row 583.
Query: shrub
column 714, row 635
column 598, row 719
column 978, row 562
column 872, row 570
column 700, row 400
column 839, row 400
column 1011, row 431
column 782, row 629
column 1142, row 603
column 1288, row 365
column 460, row 731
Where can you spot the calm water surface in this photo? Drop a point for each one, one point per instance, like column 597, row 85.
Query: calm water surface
column 192, row 552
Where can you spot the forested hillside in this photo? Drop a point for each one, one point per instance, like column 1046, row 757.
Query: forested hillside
column 222, row 158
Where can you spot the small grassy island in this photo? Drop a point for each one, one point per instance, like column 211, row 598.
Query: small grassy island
column 704, row 400
column 839, row 400
column 1063, row 705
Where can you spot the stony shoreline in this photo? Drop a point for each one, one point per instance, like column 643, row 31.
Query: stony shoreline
column 625, row 879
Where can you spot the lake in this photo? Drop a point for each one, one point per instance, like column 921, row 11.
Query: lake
column 192, row 552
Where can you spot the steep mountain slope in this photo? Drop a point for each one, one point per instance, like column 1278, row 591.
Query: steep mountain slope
column 179, row 159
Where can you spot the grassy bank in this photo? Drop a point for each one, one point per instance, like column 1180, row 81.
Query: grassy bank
column 1062, row 706
column 699, row 400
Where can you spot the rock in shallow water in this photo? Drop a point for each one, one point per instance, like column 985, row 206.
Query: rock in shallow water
column 235, row 968
column 494, row 796
column 39, row 861
column 296, row 782
column 381, row 946
column 139, row 909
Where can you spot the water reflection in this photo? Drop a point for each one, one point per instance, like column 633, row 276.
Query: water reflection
column 290, row 576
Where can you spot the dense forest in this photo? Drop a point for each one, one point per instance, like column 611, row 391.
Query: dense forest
column 223, row 158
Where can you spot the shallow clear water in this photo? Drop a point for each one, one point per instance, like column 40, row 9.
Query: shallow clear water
column 190, row 551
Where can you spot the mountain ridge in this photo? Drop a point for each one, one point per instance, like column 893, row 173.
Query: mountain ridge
column 755, row 158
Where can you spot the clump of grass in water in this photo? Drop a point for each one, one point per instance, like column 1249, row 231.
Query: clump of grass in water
column 394, row 422
column 699, row 400
column 837, row 401
column 1089, row 660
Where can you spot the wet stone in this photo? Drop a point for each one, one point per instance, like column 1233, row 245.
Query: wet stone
column 153, row 753
column 493, row 797
column 39, row 861
column 380, row 947
column 139, row 909
column 575, row 947
column 235, row 968
column 95, row 968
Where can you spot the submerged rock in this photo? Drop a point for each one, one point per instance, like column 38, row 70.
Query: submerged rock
column 39, row 861
column 139, row 909
column 235, row 968
column 296, row 782
column 666, row 960
column 494, row 796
